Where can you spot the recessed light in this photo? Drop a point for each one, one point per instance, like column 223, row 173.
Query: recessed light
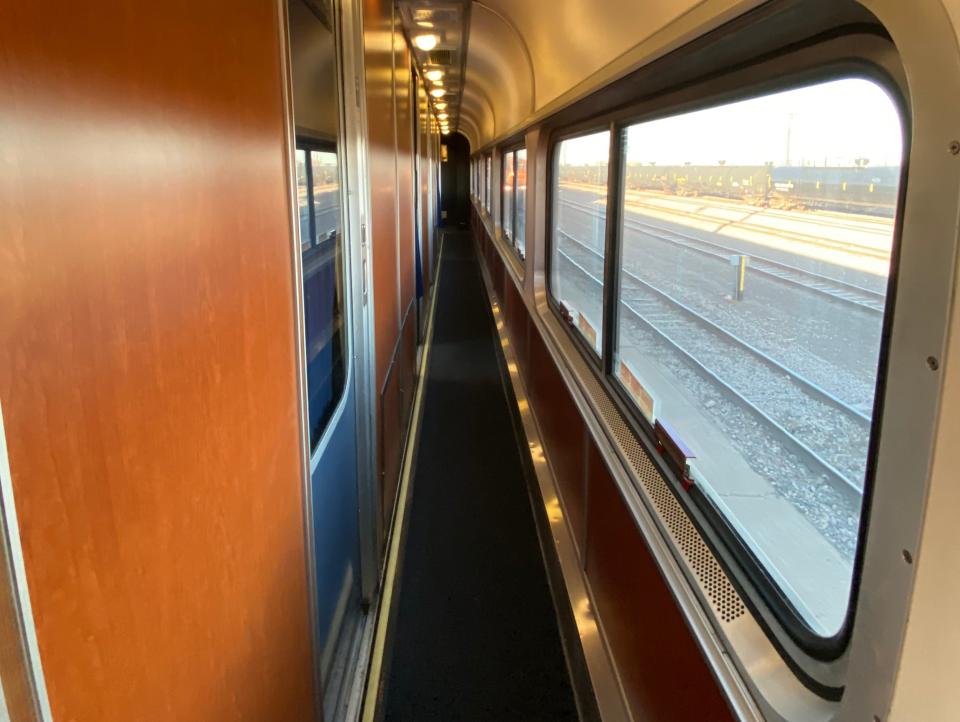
column 434, row 74
column 427, row 41
column 440, row 106
column 438, row 92
column 443, row 116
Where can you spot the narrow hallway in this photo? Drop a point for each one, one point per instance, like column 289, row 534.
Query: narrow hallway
column 475, row 634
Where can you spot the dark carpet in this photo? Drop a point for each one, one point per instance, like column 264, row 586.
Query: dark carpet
column 475, row 634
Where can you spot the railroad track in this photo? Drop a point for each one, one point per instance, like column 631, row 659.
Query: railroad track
column 682, row 329
column 796, row 236
column 843, row 291
column 829, row 219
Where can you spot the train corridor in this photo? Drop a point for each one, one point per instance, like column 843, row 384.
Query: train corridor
column 474, row 632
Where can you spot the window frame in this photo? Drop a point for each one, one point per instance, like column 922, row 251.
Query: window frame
column 488, row 183
column 481, row 181
column 507, row 232
column 763, row 77
column 513, row 148
column 590, row 127
column 310, row 144
column 521, row 253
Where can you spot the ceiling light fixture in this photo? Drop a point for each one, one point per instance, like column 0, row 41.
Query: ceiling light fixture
column 443, row 116
column 427, row 41
column 438, row 92
column 441, row 105
column 434, row 74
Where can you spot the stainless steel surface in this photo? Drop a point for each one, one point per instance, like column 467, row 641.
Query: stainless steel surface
column 13, row 578
column 357, row 202
column 916, row 481
column 297, row 271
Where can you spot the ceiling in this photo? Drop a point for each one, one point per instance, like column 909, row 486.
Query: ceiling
column 438, row 31
column 525, row 55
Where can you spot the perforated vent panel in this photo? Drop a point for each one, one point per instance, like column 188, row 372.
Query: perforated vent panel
column 721, row 593
column 440, row 57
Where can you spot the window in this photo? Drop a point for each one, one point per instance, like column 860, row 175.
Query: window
column 303, row 198
column 488, row 182
column 578, row 230
column 318, row 200
column 514, row 197
column 506, row 206
column 481, row 177
column 521, row 202
column 755, row 241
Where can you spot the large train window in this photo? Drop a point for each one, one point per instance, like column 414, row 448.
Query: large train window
column 578, row 224
column 318, row 200
column 756, row 241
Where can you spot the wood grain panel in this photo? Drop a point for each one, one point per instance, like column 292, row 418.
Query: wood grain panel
column 663, row 673
column 147, row 367
column 378, row 67
column 405, row 120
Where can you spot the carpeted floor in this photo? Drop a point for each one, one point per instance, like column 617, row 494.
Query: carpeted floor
column 475, row 634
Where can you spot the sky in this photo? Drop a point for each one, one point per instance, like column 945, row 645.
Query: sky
column 833, row 123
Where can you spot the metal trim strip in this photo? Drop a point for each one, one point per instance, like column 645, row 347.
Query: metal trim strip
column 296, row 270
column 15, row 577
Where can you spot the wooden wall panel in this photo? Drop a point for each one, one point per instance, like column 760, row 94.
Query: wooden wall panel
column 663, row 672
column 390, row 127
column 378, row 63
column 147, row 368
column 406, row 124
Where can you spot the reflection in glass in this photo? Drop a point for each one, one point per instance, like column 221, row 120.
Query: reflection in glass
column 506, row 208
column 322, row 286
column 326, row 193
column 303, row 197
column 488, row 183
column 578, row 232
column 756, row 242
column 521, row 182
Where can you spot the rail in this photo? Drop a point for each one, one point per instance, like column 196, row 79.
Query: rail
column 803, row 448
